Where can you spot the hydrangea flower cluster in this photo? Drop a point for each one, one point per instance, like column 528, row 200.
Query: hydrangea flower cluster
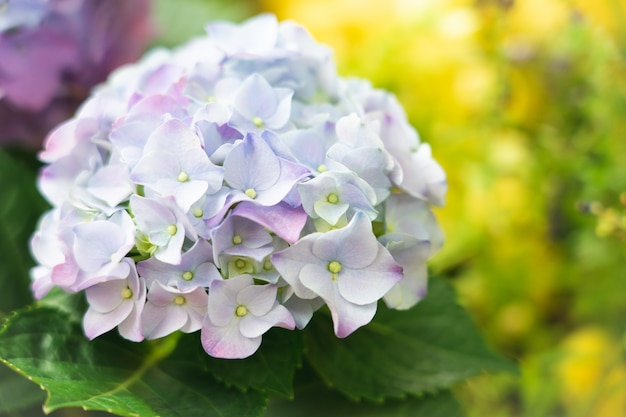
column 233, row 185
column 54, row 51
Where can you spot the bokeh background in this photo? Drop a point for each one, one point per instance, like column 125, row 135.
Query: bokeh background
column 524, row 104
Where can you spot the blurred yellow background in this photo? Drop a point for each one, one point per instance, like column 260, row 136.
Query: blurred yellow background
column 524, row 103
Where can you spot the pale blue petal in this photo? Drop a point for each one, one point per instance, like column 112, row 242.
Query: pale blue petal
column 258, row 299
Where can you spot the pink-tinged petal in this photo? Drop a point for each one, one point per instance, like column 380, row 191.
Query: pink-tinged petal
column 64, row 275
column 227, row 342
column 95, row 243
column 254, row 326
column 290, row 174
column 41, row 283
column 153, row 315
column 47, row 248
column 64, row 138
column 348, row 317
column 106, row 296
column 258, row 299
column 107, row 273
column 159, row 295
column 195, row 317
column 286, row 221
column 166, row 320
column 411, row 254
column 95, row 323
column 222, row 302
column 130, row 328
column 197, row 298
column 409, row 291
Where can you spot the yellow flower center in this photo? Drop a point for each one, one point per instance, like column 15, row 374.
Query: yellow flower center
column 257, row 121
column 188, row 275
column 332, row 198
column 127, row 293
column 183, row 176
column 172, row 229
column 237, row 240
column 198, row 213
column 334, row 267
column 180, row 300
column 250, row 192
column 241, row 311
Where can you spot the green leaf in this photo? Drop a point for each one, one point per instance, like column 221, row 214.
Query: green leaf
column 161, row 378
column 313, row 399
column 19, row 211
column 271, row 368
column 17, row 392
column 430, row 347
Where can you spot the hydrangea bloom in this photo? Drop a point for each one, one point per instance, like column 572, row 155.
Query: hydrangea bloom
column 54, row 51
column 233, row 185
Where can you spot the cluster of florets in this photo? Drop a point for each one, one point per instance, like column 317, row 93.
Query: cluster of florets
column 232, row 185
column 53, row 51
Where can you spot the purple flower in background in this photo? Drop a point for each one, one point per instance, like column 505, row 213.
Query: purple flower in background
column 52, row 52
column 229, row 186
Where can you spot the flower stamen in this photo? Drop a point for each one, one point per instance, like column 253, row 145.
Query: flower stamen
column 241, row 311
column 127, row 293
column 183, row 176
column 250, row 192
column 258, row 122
